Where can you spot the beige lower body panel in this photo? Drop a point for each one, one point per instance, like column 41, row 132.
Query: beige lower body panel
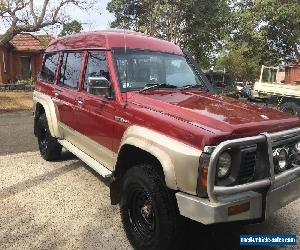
column 91, row 162
column 90, row 147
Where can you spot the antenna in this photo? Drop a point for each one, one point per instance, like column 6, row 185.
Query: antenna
column 126, row 67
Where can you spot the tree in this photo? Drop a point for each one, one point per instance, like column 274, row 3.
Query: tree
column 70, row 28
column 208, row 23
column 280, row 24
column 198, row 25
column 270, row 27
column 263, row 32
column 267, row 30
column 236, row 60
column 29, row 16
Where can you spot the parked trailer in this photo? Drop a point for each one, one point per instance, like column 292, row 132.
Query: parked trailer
column 285, row 96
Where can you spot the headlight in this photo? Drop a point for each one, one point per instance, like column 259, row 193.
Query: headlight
column 224, row 165
column 280, row 158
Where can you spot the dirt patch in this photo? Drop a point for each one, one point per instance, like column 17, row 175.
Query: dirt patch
column 10, row 101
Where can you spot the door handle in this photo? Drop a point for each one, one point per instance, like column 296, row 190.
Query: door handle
column 80, row 103
column 56, row 94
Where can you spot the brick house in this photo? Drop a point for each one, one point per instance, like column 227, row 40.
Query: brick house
column 21, row 57
column 292, row 72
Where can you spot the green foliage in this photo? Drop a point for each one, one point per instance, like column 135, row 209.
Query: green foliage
column 265, row 32
column 198, row 25
column 236, row 60
column 26, row 82
column 280, row 25
column 70, row 28
column 238, row 35
column 270, row 27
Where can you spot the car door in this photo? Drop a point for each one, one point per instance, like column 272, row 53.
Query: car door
column 95, row 113
column 66, row 91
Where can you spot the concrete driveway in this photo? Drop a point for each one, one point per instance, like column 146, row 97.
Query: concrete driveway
column 64, row 205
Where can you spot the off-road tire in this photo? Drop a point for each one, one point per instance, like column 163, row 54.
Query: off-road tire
column 49, row 148
column 291, row 107
column 167, row 222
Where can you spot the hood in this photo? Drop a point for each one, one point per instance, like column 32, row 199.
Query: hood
column 216, row 113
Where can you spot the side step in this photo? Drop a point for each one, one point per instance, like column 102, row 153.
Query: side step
column 99, row 168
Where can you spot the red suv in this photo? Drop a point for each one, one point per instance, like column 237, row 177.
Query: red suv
column 140, row 112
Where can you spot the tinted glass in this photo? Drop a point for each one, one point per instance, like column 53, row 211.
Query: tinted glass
column 96, row 66
column 49, row 68
column 70, row 69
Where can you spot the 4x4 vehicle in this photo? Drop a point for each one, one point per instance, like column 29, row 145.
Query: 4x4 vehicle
column 141, row 113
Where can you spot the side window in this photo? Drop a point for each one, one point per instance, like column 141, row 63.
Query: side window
column 70, row 69
column 96, row 67
column 49, row 68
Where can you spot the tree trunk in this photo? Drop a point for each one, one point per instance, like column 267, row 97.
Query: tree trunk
column 8, row 36
column 153, row 19
column 171, row 23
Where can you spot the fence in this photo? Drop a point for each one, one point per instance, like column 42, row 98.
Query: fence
column 16, row 87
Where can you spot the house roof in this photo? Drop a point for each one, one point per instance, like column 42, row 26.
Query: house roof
column 29, row 42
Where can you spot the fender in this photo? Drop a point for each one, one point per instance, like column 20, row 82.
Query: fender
column 180, row 162
column 50, row 111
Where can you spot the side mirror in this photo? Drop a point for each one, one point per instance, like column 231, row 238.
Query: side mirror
column 99, row 86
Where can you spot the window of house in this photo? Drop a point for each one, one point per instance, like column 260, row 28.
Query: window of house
column 70, row 69
column 49, row 68
column 5, row 63
column 96, row 67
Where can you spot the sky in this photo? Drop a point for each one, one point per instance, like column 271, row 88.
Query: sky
column 94, row 19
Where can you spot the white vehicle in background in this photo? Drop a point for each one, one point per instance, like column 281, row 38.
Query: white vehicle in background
column 274, row 88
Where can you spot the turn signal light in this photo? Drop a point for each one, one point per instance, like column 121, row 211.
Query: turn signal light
column 204, row 173
column 237, row 209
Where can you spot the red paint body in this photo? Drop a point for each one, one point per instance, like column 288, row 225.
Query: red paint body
column 194, row 117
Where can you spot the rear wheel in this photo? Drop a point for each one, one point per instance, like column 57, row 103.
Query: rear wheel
column 49, row 148
column 149, row 210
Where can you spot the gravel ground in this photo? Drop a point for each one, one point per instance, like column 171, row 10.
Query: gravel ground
column 58, row 205
column 16, row 132
column 64, row 205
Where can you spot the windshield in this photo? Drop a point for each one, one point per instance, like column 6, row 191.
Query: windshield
column 138, row 68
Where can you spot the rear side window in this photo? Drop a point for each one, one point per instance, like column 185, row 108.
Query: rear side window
column 70, row 69
column 49, row 68
column 96, row 67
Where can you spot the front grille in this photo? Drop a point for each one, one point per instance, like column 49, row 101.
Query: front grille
column 247, row 168
column 289, row 145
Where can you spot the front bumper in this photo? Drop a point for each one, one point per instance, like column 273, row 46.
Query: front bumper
column 245, row 201
column 206, row 212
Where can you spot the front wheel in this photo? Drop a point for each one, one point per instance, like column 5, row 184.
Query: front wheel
column 149, row 210
column 49, row 148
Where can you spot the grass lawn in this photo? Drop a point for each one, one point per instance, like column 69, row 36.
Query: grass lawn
column 10, row 101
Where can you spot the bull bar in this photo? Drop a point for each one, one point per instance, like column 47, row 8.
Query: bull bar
column 269, row 138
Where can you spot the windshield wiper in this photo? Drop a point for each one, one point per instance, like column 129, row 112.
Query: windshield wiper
column 191, row 86
column 157, row 85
